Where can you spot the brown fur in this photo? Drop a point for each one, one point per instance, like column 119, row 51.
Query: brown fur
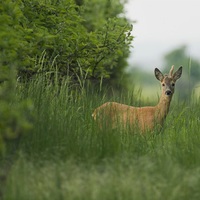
column 112, row 114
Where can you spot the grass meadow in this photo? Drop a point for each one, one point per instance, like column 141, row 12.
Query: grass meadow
column 66, row 157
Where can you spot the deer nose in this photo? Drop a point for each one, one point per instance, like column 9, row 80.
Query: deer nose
column 168, row 92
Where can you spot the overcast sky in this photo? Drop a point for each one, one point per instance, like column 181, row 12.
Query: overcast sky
column 163, row 25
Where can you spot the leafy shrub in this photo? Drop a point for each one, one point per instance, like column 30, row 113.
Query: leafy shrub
column 93, row 37
column 13, row 114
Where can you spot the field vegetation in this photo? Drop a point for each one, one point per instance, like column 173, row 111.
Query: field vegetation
column 66, row 156
column 59, row 60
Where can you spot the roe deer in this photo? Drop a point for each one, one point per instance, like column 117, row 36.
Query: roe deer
column 112, row 114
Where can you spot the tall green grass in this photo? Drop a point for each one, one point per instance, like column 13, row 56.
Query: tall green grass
column 66, row 156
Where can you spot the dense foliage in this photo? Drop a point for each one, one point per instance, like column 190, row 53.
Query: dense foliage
column 13, row 115
column 75, row 40
column 93, row 38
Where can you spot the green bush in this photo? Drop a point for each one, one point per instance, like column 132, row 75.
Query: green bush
column 72, row 40
column 13, row 115
column 93, row 37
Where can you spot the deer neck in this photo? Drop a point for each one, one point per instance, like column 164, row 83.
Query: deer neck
column 163, row 106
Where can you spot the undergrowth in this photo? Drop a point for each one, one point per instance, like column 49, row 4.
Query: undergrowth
column 66, row 155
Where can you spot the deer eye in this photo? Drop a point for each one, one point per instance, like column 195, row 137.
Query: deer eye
column 163, row 84
column 173, row 84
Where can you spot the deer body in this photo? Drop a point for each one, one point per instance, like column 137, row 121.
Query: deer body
column 113, row 114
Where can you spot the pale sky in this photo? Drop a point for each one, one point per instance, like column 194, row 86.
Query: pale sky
column 163, row 25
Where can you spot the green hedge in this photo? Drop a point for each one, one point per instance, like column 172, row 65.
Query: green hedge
column 93, row 37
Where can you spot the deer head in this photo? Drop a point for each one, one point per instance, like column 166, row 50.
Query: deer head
column 168, row 81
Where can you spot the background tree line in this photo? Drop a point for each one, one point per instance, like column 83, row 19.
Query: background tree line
column 186, row 88
column 191, row 72
column 80, row 39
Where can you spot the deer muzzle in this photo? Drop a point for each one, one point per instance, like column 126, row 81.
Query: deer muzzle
column 168, row 92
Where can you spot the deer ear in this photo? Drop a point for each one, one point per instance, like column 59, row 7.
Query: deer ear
column 158, row 74
column 177, row 74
